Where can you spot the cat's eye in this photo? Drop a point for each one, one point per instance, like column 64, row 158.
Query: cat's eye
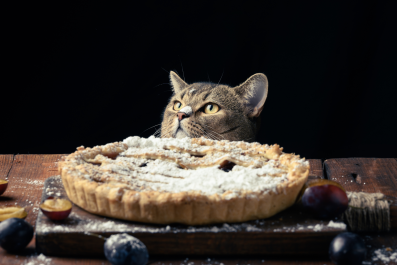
column 211, row 108
column 177, row 105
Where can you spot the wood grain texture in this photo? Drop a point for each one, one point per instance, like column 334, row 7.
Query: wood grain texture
column 316, row 169
column 368, row 175
column 364, row 174
column 5, row 165
column 26, row 178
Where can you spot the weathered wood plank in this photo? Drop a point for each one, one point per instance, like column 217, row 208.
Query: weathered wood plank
column 316, row 169
column 5, row 165
column 364, row 174
column 368, row 175
column 26, row 178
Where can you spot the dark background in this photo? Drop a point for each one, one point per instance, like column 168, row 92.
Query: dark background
column 89, row 74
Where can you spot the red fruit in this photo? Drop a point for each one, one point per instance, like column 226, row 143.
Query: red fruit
column 325, row 199
column 56, row 209
column 3, row 186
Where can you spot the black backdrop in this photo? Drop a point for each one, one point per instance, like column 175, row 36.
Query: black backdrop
column 89, row 74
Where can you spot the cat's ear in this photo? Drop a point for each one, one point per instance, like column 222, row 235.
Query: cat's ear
column 176, row 82
column 254, row 93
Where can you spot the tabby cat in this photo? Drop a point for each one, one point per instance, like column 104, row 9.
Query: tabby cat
column 215, row 111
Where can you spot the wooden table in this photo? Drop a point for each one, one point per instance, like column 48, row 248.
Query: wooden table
column 26, row 175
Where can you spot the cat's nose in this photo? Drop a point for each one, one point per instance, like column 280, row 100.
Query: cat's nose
column 182, row 115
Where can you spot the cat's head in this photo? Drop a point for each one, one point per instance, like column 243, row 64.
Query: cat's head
column 215, row 111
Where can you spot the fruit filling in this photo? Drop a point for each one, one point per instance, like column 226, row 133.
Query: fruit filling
column 12, row 212
column 56, row 204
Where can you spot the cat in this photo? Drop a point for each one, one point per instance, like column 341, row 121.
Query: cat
column 215, row 111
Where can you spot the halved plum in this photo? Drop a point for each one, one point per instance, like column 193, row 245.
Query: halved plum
column 324, row 198
column 56, row 209
column 3, row 185
column 12, row 212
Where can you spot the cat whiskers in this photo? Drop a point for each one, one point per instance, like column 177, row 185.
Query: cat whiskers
column 156, row 133
column 159, row 134
column 167, row 134
column 213, row 132
column 209, row 135
column 167, row 131
column 151, row 128
column 209, row 132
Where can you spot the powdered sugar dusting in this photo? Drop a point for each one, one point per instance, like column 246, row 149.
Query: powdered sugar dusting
column 336, row 225
column 188, row 110
column 210, row 180
column 125, row 239
column 385, row 255
column 38, row 260
column 159, row 164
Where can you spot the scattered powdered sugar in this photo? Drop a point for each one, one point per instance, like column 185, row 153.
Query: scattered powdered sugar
column 385, row 255
column 336, row 225
column 77, row 223
column 252, row 228
column 321, row 226
column 124, row 239
column 318, row 227
column 38, row 260
column 35, row 182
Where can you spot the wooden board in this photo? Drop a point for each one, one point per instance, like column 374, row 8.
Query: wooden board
column 26, row 175
column 288, row 233
column 5, row 165
column 26, row 179
column 368, row 175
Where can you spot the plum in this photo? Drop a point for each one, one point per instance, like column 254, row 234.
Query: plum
column 3, row 186
column 347, row 248
column 15, row 234
column 12, row 211
column 324, row 199
column 123, row 249
column 56, row 209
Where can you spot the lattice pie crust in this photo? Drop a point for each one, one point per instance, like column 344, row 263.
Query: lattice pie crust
column 189, row 181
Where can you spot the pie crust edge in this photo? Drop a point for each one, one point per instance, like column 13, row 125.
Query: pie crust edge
column 191, row 208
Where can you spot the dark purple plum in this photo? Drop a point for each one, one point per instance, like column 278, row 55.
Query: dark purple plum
column 15, row 234
column 325, row 201
column 347, row 248
column 123, row 249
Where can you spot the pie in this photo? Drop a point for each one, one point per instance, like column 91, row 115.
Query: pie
column 189, row 181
